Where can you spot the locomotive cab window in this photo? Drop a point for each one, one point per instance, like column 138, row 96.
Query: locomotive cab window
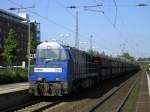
column 46, row 55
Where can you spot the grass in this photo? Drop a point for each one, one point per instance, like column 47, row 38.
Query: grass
column 130, row 103
column 9, row 75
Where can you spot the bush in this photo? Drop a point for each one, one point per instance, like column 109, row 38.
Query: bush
column 10, row 75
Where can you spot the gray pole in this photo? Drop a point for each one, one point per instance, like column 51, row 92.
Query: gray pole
column 77, row 30
column 91, row 42
column 28, row 51
column 77, row 25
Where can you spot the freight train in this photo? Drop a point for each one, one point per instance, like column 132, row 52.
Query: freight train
column 61, row 69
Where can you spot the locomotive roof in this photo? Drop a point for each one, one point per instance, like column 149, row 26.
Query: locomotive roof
column 102, row 56
column 69, row 47
column 49, row 45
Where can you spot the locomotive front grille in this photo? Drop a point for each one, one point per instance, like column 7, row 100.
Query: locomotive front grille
column 48, row 89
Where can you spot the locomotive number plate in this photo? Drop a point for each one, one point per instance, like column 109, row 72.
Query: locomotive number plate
column 47, row 69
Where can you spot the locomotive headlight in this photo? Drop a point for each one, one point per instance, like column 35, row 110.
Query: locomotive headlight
column 58, row 78
column 39, row 78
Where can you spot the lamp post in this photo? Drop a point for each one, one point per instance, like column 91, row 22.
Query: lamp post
column 29, row 44
column 77, row 25
column 64, row 38
column 142, row 5
column 83, row 43
column 91, row 42
column 29, row 47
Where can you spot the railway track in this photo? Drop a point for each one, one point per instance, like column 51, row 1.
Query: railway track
column 40, row 106
column 119, row 109
column 21, row 106
column 37, row 105
column 116, row 100
column 91, row 101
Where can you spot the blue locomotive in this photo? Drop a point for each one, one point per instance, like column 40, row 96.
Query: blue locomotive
column 62, row 69
column 58, row 69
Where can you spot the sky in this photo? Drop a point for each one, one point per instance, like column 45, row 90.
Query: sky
column 125, row 29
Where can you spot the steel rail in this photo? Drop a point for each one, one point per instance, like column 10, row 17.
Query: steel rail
column 20, row 106
column 34, row 108
column 105, row 99
column 119, row 108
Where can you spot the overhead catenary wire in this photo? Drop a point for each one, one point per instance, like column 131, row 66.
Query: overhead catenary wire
column 63, row 6
column 127, row 31
column 45, row 18
column 116, row 7
column 122, row 21
column 118, row 30
column 113, row 25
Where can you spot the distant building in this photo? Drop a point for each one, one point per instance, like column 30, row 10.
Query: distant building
column 11, row 21
column 35, row 27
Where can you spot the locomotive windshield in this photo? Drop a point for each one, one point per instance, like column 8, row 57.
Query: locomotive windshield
column 46, row 55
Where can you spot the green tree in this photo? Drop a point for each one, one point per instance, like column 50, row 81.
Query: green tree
column 10, row 51
column 93, row 52
column 144, row 62
column 126, row 55
column 34, row 43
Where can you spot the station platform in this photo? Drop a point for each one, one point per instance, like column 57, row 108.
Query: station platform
column 143, row 100
column 8, row 88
